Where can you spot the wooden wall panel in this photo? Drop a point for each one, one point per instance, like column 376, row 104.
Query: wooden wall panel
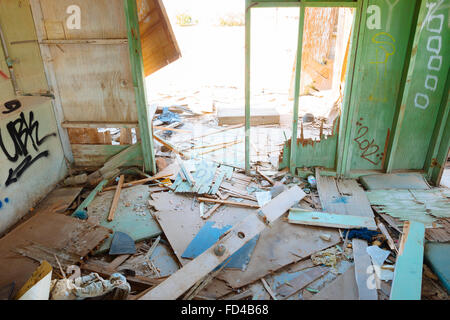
column 159, row 46
column 97, row 155
column 94, row 80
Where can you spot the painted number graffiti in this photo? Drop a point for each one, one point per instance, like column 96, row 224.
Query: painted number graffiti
column 369, row 148
column 12, row 106
column 434, row 24
column 22, row 133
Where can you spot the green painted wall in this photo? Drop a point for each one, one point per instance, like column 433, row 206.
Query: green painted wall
column 384, row 40
column 425, row 87
column 31, row 156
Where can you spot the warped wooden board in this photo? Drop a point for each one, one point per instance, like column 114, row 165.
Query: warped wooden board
column 59, row 200
column 237, row 237
column 395, row 181
column 277, row 246
column 159, row 45
column 346, row 197
column 55, row 231
column 323, row 219
column 132, row 215
column 344, row 287
column 407, row 283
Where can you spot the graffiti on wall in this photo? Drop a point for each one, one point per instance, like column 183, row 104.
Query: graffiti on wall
column 24, row 135
column 433, row 23
column 385, row 49
column 370, row 150
column 374, row 15
column 12, row 106
column 3, row 203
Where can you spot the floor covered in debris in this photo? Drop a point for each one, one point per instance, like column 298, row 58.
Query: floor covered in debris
column 136, row 234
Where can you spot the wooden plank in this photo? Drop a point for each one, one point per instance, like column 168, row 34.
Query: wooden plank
column 92, row 124
column 169, row 146
column 260, row 116
column 138, row 73
column 362, row 265
column 407, row 283
column 231, row 203
column 345, row 197
column 90, row 197
column 323, row 219
column 58, row 200
column 238, row 236
column 139, row 182
column 89, row 136
column 115, row 201
column 85, row 41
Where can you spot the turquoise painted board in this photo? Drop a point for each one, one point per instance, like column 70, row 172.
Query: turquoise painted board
column 407, row 283
column 132, row 215
column 323, row 219
column 383, row 45
column 425, row 86
column 437, row 255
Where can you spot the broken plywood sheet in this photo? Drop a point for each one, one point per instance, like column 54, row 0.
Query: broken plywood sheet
column 162, row 260
column 208, row 235
column 179, row 218
column 288, row 284
column 259, row 116
column 411, row 181
column 215, row 290
column 419, row 205
column 59, row 200
column 342, row 288
column 55, row 231
column 280, row 245
column 132, row 215
column 241, row 233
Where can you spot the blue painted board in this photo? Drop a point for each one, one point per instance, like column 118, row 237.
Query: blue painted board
column 208, row 235
column 407, row 283
column 437, row 255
